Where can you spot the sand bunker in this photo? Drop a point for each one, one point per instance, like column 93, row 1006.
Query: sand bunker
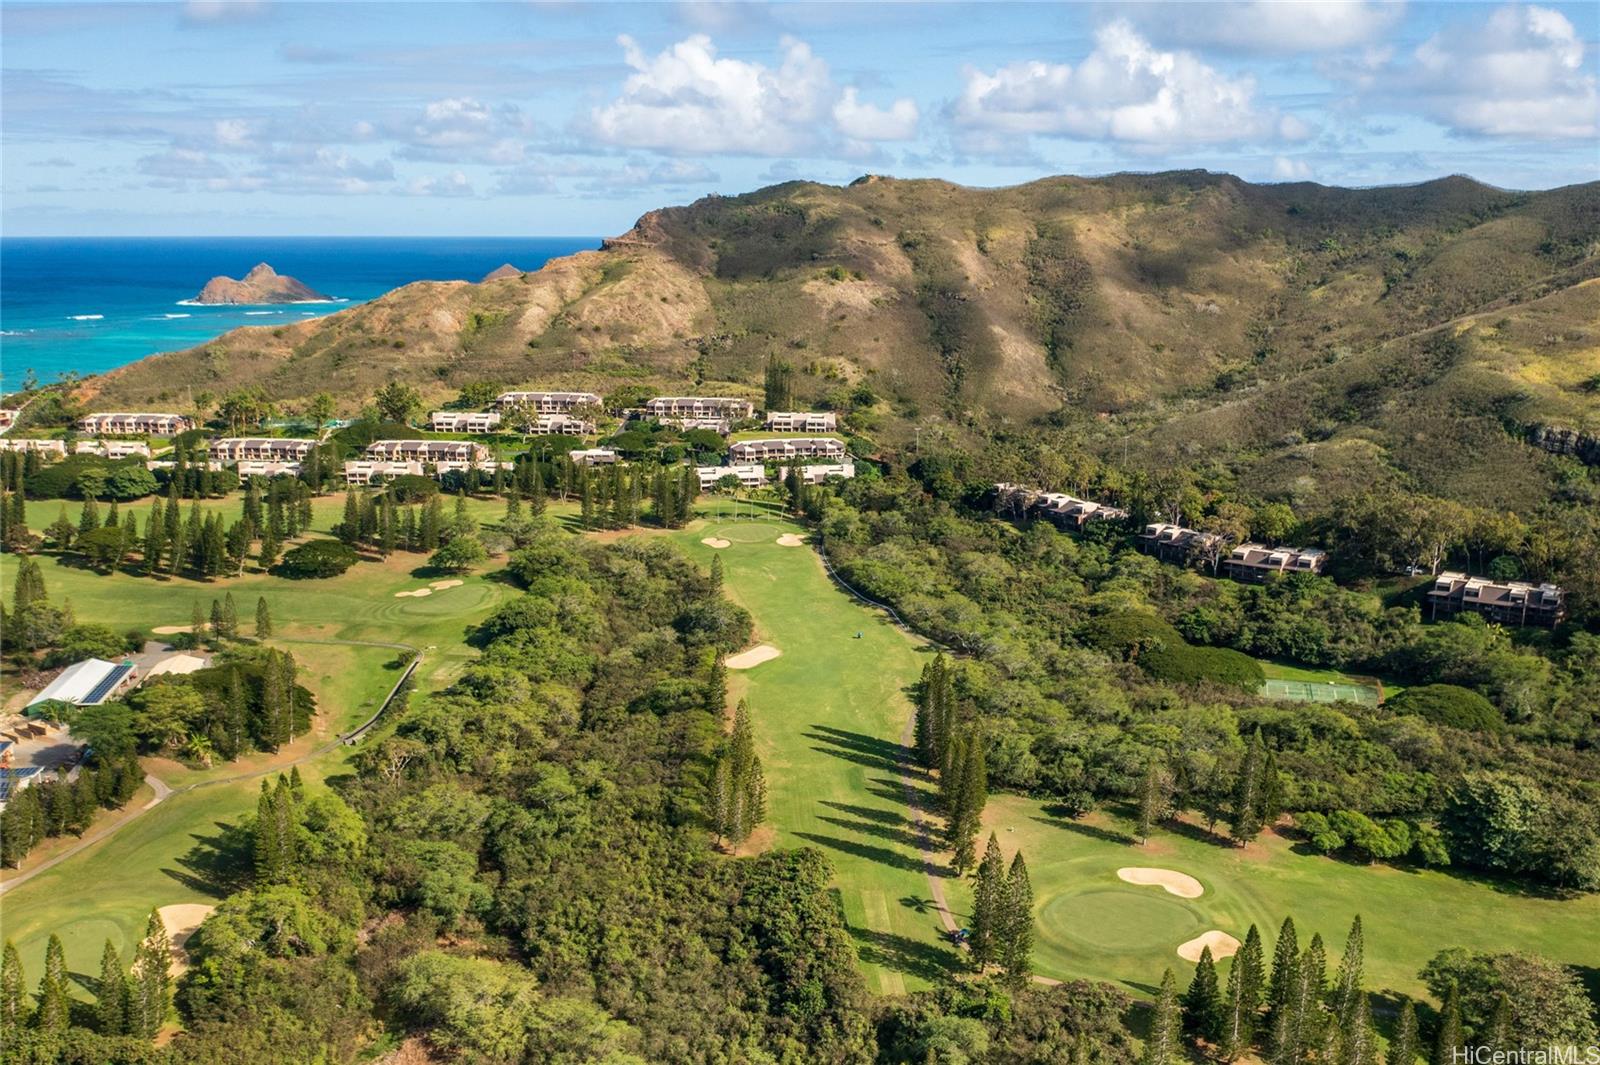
column 758, row 654
column 441, row 585
column 790, row 540
column 1180, row 884
column 182, row 921
column 717, row 542
column 416, row 593
column 1221, row 943
column 170, row 630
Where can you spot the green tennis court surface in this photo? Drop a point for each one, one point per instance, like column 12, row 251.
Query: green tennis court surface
column 1317, row 691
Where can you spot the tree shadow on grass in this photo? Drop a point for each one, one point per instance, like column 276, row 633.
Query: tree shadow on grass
column 216, row 865
column 869, row 760
column 1198, row 833
column 880, row 855
column 860, row 741
column 904, row 837
column 868, row 813
column 903, row 954
column 1105, row 835
column 919, row 904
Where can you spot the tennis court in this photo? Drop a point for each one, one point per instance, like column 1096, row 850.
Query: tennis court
column 1319, row 691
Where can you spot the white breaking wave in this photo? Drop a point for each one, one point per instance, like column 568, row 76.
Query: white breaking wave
column 262, row 312
column 177, row 316
column 86, row 317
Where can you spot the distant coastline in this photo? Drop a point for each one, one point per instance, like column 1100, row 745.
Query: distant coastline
column 86, row 305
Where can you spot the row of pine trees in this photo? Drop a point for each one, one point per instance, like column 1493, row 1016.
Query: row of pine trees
column 134, row 1001
column 1293, row 1014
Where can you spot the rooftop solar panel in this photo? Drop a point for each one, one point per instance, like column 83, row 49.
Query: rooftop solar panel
column 107, row 683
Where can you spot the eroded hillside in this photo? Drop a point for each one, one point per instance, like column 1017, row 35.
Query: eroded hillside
column 1272, row 324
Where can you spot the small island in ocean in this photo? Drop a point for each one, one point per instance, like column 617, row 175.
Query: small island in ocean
column 261, row 285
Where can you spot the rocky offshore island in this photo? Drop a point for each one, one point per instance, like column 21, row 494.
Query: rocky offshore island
column 263, row 284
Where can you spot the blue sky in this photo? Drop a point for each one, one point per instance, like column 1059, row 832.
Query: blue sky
column 218, row 117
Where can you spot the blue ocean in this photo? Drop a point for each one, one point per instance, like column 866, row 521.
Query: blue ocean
column 86, row 305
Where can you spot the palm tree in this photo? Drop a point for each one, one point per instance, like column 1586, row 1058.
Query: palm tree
column 198, row 748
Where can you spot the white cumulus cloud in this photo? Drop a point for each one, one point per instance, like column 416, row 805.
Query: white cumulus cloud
column 688, row 100
column 1520, row 73
column 868, row 122
column 1125, row 91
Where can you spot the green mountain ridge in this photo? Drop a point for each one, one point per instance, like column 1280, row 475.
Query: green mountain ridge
column 1308, row 336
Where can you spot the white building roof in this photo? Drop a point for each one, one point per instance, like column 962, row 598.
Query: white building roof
column 76, row 682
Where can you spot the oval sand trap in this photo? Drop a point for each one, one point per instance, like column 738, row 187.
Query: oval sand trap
column 1221, row 943
column 170, row 630
column 717, row 542
column 1180, row 884
column 758, row 654
column 441, row 585
column 790, row 540
column 420, row 592
column 182, row 921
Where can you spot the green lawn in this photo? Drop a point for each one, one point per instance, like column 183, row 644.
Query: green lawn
column 172, row 854
column 1090, row 923
column 828, row 716
column 110, row 888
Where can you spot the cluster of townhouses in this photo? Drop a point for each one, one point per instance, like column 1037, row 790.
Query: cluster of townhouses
column 1505, row 602
column 1062, row 510
column 122, row 423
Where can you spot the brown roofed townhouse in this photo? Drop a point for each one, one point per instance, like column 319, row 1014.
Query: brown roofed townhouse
column 700, row 407
column 1503, row 602
column 427, row 451
column 1257, row 563
column 1174, row 543
column 548, row 402
column 260, row 449
column 471, row 421
column 122, row 423
column 781, row 448
column 802, row 421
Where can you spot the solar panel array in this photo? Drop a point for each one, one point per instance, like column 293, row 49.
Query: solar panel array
column 107, row 683
column 14, row 779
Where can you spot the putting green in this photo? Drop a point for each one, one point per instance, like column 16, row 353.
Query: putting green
column 1114, row 920
column 747, row 532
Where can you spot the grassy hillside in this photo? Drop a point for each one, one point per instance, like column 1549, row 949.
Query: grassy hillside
column 1285, row 327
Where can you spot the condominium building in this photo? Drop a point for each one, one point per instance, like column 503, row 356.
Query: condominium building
column 121, row 423
column 1060, row 509
column 44, row 447
column 260, row 448
column 700, row 406
column 462, row 467
column 593, row 456
column 802, row 421
column 548, row 402
column 427, row 451
column 469, row 421
column 266, row 468
column 816, row 474
column 1258, row 563
column 1505, row 602
column 750, row 476
column 1174, row 543
column 780, row 448
column 720, row 426
column 560, row 425
column 112, row 449
column 367, row 471
column 8, row 418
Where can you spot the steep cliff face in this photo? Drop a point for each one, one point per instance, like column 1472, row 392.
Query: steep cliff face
column 1558, row 440
column 1310, row 331
column 262, row 284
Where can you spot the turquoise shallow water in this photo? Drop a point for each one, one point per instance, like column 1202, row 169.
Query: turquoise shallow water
column 86, row 305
